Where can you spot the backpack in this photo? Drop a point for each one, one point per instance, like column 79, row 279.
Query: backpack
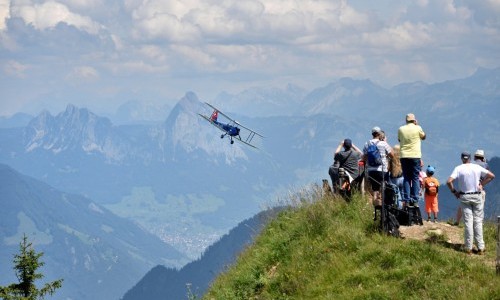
column 430, row 188
column 373, row 155
column 392, row 225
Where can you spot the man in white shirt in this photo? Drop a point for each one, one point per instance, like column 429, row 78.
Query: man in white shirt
column 470, row 180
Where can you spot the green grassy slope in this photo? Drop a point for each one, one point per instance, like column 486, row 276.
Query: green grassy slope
column 329, row 249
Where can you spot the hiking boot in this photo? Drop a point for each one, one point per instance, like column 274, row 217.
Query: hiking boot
column 481, row 251
column 468, row 251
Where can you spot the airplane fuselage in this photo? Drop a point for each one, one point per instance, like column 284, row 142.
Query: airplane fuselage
column 230, row 129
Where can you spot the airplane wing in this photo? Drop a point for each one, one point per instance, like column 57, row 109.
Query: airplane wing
column 212, row 122
column 252, row 132
column 242, row 141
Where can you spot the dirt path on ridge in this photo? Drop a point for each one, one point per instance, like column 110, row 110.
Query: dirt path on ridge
column 454, row 237
column 454, row 234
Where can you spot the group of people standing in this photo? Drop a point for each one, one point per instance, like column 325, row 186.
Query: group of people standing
column 402, row 166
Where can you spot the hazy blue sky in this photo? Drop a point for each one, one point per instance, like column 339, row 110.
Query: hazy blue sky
column 100, row 53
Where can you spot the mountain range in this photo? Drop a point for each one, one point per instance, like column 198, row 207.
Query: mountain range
column 98, row 254
column 177, row 180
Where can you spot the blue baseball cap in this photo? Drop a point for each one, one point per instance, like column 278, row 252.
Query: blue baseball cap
column 430, row 170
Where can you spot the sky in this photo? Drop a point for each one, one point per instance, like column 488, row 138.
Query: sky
column 102, row 53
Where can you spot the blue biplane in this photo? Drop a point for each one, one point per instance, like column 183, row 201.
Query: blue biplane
column 231, row 129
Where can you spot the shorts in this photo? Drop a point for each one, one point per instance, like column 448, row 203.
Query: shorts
column 375, row 178
column 431, row 204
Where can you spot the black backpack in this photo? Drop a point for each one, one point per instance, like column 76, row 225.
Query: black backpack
column 391, row 223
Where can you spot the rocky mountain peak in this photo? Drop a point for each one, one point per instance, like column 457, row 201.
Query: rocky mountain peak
column 185, row 129
column 73, row 128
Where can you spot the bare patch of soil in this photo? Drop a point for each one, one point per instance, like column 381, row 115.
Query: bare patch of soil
column 454, row 237
column 454, row 234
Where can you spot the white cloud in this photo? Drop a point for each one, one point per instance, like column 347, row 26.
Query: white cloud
column 134, row 67
column 401, row 37
column 246, row 20
column 165, row 26
column 117, row 42
column 48, row 14
column 226, row 43
column 85, row 73
column 198, row 59
column 153, row 53
column 4, row 13
column 486, row 13
column 85, row 4
column 15, row 68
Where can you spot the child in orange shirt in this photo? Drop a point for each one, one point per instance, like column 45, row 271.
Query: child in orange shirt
column 431, row 186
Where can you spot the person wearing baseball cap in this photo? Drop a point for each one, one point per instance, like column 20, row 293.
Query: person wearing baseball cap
column 479, row 159
column 378, row 170
column 346, row 156
column 466, row 177
column 410, row 136
column 431, row 187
